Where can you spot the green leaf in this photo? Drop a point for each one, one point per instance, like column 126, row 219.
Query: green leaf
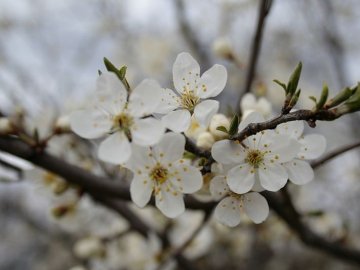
column 122, row 72
column 283, row 85
column 343, row 95
column 294, row 80
column 323, row 97
column 295, row 98
column 313, row 99
column 234, row 125
column 222, row 128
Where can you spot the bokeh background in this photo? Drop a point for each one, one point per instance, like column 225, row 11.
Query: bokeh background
column 50, row 54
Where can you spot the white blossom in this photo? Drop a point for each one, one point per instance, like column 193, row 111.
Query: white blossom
column 161, row 170
column 258, row 158
column 312, row 146
column 249, row 104
column 192, row 94
column 120, row 117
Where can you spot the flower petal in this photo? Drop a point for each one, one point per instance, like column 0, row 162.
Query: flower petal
column 170, row 204
column 115, row 149
column 141, row 159
column 272, row 177
column 177, row 121
column 205, row 110
column 212, row 82
column 241, row 178
column 187, row 179
column 186, row 72
column 147, row 131
column 110, row 93
column 169, row 101
column 253, row 117
column 300, row 172
column 235, row 153
column 218, row 187
column 90, row 124
column 293, row 129
column 313, row 146
column 283, row 148
column 256, row 207
column 171, row 148
column 145, row 98
column 228, row 212
column 141, row 189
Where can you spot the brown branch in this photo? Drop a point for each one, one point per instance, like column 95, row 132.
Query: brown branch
column 334, row 154
column 264, row 9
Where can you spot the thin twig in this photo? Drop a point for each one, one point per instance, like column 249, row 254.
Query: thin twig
column 334, row 154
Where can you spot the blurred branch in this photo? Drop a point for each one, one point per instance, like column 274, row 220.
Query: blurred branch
column 264, row 9
column 190, row 36
column 334, row 154
column 106, row 192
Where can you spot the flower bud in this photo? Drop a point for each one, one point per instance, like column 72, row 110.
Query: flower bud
column 89, row 247
column 62, row 124
column 205, row 140
column 195, row 129
column 222, row 48
column 5, row 126
column 216, row 121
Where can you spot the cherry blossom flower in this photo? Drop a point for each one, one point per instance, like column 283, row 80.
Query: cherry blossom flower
column 249, row 104
column 161, row 170
column 121, row 117
column 312, row 146
column 192, row 91
column 231, row 205
column 258, row 158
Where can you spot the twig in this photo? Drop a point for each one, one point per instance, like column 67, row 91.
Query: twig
column 264, row 9
column 334, row 154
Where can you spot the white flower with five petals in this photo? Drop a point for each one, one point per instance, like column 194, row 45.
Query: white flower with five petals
column 121, row 117
column 161, row 170
column 192, row 91
column 259, row 159
column 312, row 146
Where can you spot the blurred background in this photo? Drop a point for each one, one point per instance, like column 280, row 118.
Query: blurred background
column 50, row 54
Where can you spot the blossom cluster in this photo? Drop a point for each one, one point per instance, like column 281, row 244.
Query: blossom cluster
column 143, row 129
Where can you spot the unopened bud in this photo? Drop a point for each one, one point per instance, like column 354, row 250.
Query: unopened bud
column 294, row 80
column 222, row 48
column 216, row 121
column 62, row 124
column 89, row 247
column 342, row 96
column 6, row 126
column 353, row 103
column 205, row 140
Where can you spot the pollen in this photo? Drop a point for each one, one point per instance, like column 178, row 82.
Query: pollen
column 124, row 122
column 159, row 174
column 189, row 100
column 254, row 157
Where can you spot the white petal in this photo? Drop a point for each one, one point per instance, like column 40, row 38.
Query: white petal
column 170, row 204
column 300, row 172
column 177, row 121
column 169, row 101
column 228, row 212
column 141, row 189
column 205, row 110
column 141, row 159
column 241, row 178
column 90, row 124
column 256, row 207
column 145, row 98
column 253, row 117
column 248, row 102
column 283, row 148
column 212, row 82
column 313, row 146
column 147, row 131
column 170, row 148
column 218, row 187
column 235, row 153
column 186, row 179
column 186, row 72
column 272, row 177
column 111, row 93
column 293, row 129
column 115, row 149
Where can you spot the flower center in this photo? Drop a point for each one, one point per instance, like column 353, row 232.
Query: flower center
column 254, row 157
column 189, row 100
column 159, row 174
column 124, row 122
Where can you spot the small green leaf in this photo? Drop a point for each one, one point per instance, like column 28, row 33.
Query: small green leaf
column 313, row 99
column 234, row 125
column 222, row 128
column 122, row 72
column 295, row 98
column 283, row 85
column 294, row 80
column 323, row 97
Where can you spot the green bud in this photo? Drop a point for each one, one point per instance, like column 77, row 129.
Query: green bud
column 353, row 103
column 323, row 97
column 313, row 99
column 294, row 80
column 339, row 98
column 122, row 72
column 283, row 85
column 295, row 98
column 234, row 125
